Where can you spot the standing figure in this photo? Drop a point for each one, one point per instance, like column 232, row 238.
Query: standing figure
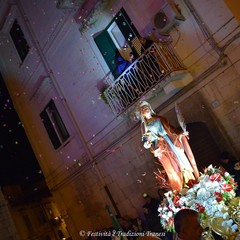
column 169, row 146
column 146, row 43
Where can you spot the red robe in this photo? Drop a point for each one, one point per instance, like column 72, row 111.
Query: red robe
column 169, row 160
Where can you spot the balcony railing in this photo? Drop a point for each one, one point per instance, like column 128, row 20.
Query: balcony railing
column 150, row 69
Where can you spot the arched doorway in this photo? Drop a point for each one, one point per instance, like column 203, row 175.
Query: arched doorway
column 203, row 145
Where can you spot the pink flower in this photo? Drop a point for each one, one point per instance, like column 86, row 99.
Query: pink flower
column 200, row 208
column 176, row 201
column 226, row 187
column 215, row 177
column 231, row 180
column 191, row 182
column 219, row 196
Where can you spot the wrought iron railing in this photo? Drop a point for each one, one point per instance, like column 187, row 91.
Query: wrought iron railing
column 150, row 69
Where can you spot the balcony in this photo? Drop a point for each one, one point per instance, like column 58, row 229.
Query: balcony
column 151, row 70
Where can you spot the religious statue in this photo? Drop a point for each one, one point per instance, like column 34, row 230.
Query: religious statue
column 169, row 145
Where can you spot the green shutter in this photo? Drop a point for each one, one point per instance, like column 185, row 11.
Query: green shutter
column 108, row 50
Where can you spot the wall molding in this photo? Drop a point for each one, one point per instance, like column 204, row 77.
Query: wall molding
column 10, row 17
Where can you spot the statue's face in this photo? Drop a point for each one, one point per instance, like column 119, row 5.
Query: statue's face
column 145, row 110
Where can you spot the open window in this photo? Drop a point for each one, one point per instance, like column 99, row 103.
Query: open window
column 119, row 36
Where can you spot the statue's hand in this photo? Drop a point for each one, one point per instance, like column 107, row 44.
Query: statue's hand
column 185, row 134
column 146, row 141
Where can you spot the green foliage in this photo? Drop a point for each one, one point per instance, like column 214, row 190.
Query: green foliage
column 102, row 95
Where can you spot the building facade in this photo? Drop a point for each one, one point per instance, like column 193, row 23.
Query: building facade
column 58, row 62
column 8, row 229
column 34, row 215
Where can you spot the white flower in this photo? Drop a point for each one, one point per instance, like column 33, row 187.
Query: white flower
column 234, row 227
column 220, row 207
column 226, row 174
column 208, row 194
column 210, row 167
column 219, row 214
column 204, row 179
column 190, row 192
column 182, row 200
column 225, row 215
column 170, row 214
column 230, row 222
column 201, row 193
column 224, row 223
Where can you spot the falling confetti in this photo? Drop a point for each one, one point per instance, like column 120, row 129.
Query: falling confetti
column 15, row 145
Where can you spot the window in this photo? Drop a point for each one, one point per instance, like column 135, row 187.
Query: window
column 19, row 40
column 27, row 222
column 54, row 125
column 119, row 33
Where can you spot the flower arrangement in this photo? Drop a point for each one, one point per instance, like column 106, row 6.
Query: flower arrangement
column 213, row 196
column 102, row 95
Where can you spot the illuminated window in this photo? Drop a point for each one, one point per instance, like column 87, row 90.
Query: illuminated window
column 54, row 125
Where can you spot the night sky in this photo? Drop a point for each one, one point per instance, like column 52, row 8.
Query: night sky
column 18, row 162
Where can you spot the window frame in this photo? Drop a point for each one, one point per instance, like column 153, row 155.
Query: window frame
column 19, row 40
column 54, row 125
column 122, row 21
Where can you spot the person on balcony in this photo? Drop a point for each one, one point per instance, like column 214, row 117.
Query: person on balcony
column 123, row 64
column 146, row 43
column 168, row 145
column 125, row 89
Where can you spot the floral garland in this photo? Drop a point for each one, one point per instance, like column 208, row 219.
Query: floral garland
column 213, row 196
